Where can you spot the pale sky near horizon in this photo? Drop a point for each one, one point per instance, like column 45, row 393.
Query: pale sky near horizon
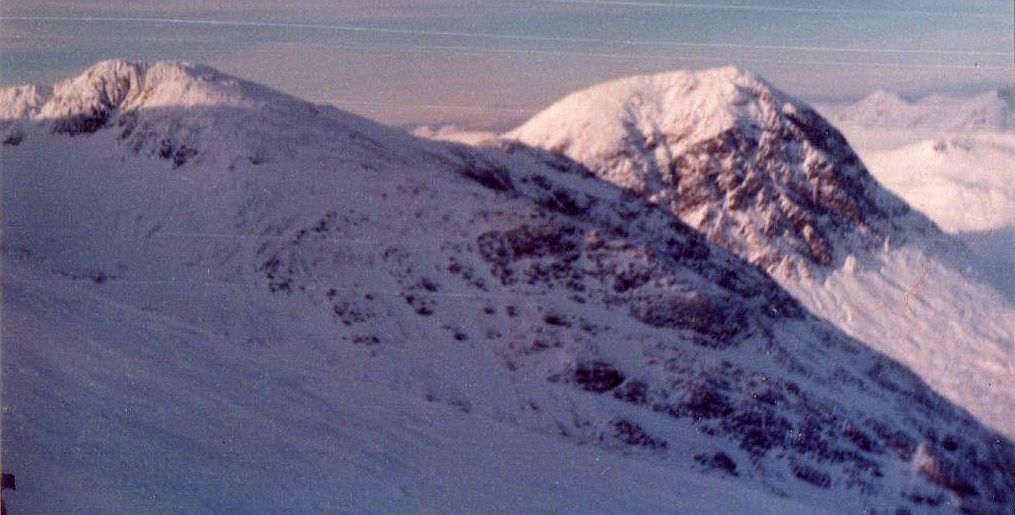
column 486, row 64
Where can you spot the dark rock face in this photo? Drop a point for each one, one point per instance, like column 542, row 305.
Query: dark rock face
column 83, row 123
column 736, row 172
column 483, row 171
column 110, row 86
column 798, row 187
column 693, row 312
column 13, row 138
column 718, row 461
column 596, row 377
column 633, row 434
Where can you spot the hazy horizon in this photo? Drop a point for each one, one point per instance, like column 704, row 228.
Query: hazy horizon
column 483, row 65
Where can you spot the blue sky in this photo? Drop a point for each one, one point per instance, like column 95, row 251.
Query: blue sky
column 481, row 63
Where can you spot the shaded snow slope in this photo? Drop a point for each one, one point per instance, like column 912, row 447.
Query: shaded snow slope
column 472, row 299
column 160, row 415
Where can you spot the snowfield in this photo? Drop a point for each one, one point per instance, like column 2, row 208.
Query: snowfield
column 221, row 298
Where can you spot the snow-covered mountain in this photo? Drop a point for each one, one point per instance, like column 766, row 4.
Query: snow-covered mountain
column 185, row 112
column 766, row 177
column 990, row 110
column 757, row 172
column 291, row 313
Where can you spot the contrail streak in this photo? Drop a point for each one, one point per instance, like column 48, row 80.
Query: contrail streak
column 484, row 35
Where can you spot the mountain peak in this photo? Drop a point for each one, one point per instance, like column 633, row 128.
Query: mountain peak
column 695, row 105
column 758, row 172
column 885, row 96
column 118, row 85
column 180, row 111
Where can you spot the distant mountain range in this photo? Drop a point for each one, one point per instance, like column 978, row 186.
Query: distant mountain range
column 990, row 110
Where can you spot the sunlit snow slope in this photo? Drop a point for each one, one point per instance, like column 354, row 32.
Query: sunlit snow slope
column 957, row 165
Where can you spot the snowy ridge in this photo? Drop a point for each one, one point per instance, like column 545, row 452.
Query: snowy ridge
column 182, row 112
column 509, row 287
column 987, row 111
column 759, row 173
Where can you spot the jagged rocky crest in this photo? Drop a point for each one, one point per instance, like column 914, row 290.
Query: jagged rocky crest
column 759, row 173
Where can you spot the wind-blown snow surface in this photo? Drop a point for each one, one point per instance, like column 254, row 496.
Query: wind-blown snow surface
column 763, row 175
column 238, row 300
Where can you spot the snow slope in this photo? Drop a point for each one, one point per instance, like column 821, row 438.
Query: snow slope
column 766, row 177
column 974, row 170
column 311, row 312
column 940, row 164
column 140, row 424
column 936, row 175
